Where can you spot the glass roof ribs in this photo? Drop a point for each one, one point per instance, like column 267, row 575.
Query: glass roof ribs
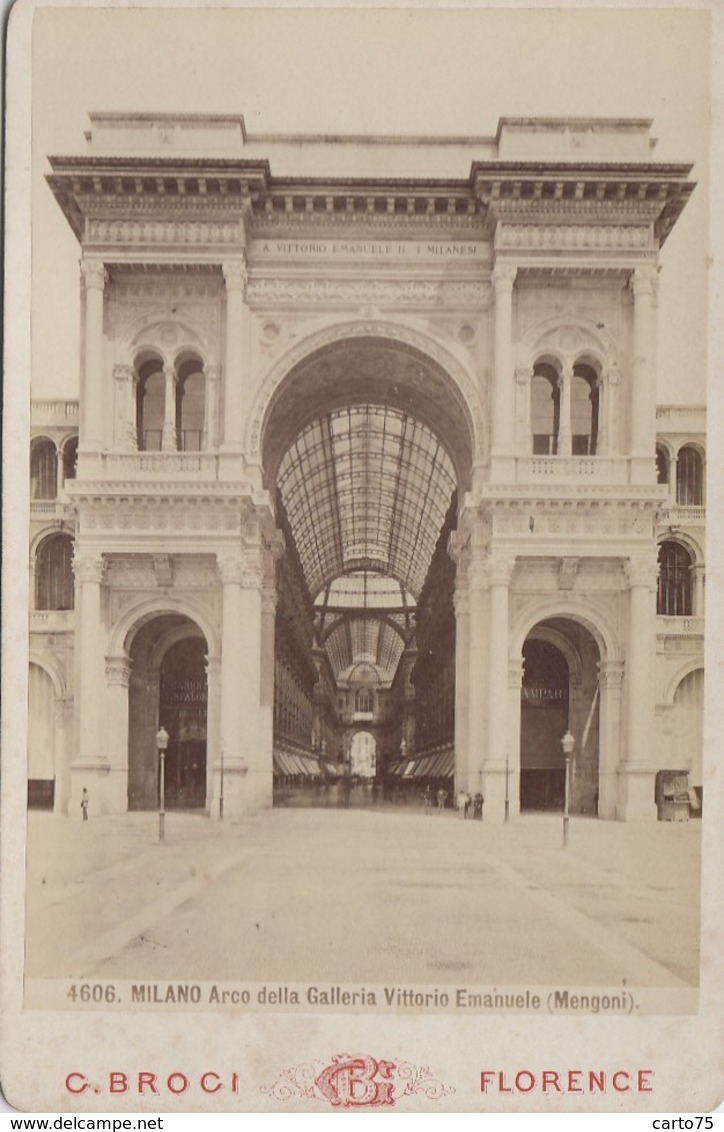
column 366, row 488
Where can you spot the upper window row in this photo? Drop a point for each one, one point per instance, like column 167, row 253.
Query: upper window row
column 170, row 408
column 547, row 406
column 49, row 467
column 689, row 464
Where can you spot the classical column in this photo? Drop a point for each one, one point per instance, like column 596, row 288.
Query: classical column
column 213, row 730
column 118, row 672
column 503, row 279
column 93, row 391
column 477, row 667
column 237, row 733
column 512, row 767
column 91, row 766
column 59, row 473
column 636, row 775
column 602, row 436
column 643, row 395
column 499, row 571
column 265, row 772
column 169, row 440
column 124, row 378
column 564, row 412
column 234, row 377
column 613, row 384
column 461, row 601
column 212, row 375
column 610, row 682
column 523, row 430
column 699, row 573
column 61, row 717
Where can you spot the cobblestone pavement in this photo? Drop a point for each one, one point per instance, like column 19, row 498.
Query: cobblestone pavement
column 364, row 895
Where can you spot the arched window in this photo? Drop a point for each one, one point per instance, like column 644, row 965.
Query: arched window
column 43, row 470
column 584, row 411
column 689, row 478
column 676, row 582
column 544, row 409
column 190, row 397
column 363, row 700
column 70, row 458
column 54, row 573
column 150, row 401
column 662, row 465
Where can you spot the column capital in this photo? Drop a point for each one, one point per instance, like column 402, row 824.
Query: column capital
column 123, row 373
column 169, row 372
column 213, row 670
column 235, row 275
column 212, row 373
column 644, row 280
column 515, row 672
column 641, row 570
column 523, row 374
column 610, row 674
column 230, row 565
column 93, row 274
column 461, row 600
column 88, row 566
column 118, row 670
column 500, row 569
column 268, row 600
column 62, row 712
column 503, row 277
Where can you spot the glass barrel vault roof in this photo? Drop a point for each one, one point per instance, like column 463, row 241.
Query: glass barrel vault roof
column 366, row 489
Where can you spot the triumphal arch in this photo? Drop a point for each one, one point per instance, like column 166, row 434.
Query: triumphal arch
column 367, row 474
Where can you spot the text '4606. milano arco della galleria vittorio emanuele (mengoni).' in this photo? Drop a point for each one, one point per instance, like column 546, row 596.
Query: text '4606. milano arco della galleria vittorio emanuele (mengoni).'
column 368, row 489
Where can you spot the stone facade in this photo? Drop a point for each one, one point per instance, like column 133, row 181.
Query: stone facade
column 226, row 305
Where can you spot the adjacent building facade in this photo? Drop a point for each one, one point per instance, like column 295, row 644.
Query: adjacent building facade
column 367, row 472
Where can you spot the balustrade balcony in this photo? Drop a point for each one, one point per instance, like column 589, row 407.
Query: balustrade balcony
column 52, row 620
column 572, row 469
column 680, row 626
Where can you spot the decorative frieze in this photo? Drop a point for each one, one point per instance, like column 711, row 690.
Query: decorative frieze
column 574, row 237
column 187, row 232
column 410, row 292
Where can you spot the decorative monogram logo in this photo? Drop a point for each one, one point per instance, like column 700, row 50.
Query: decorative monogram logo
column 357, row 1081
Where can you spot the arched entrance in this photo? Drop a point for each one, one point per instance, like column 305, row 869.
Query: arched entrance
column 559, row 693
column 363, row 755
column 41, row 739
column 168, row 686
column 367, row 445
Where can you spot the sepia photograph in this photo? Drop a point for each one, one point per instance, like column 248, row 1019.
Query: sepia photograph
column 361, row 448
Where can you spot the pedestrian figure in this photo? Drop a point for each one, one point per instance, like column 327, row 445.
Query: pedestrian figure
column 478, row 806
column 441, row 799
column 84, row 804
column 463, row 802
column 427, row 795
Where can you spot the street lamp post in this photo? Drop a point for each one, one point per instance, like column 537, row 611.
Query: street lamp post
column 161, row 746
column 568, row 743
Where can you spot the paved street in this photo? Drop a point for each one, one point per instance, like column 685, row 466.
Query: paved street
column 364, row 896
